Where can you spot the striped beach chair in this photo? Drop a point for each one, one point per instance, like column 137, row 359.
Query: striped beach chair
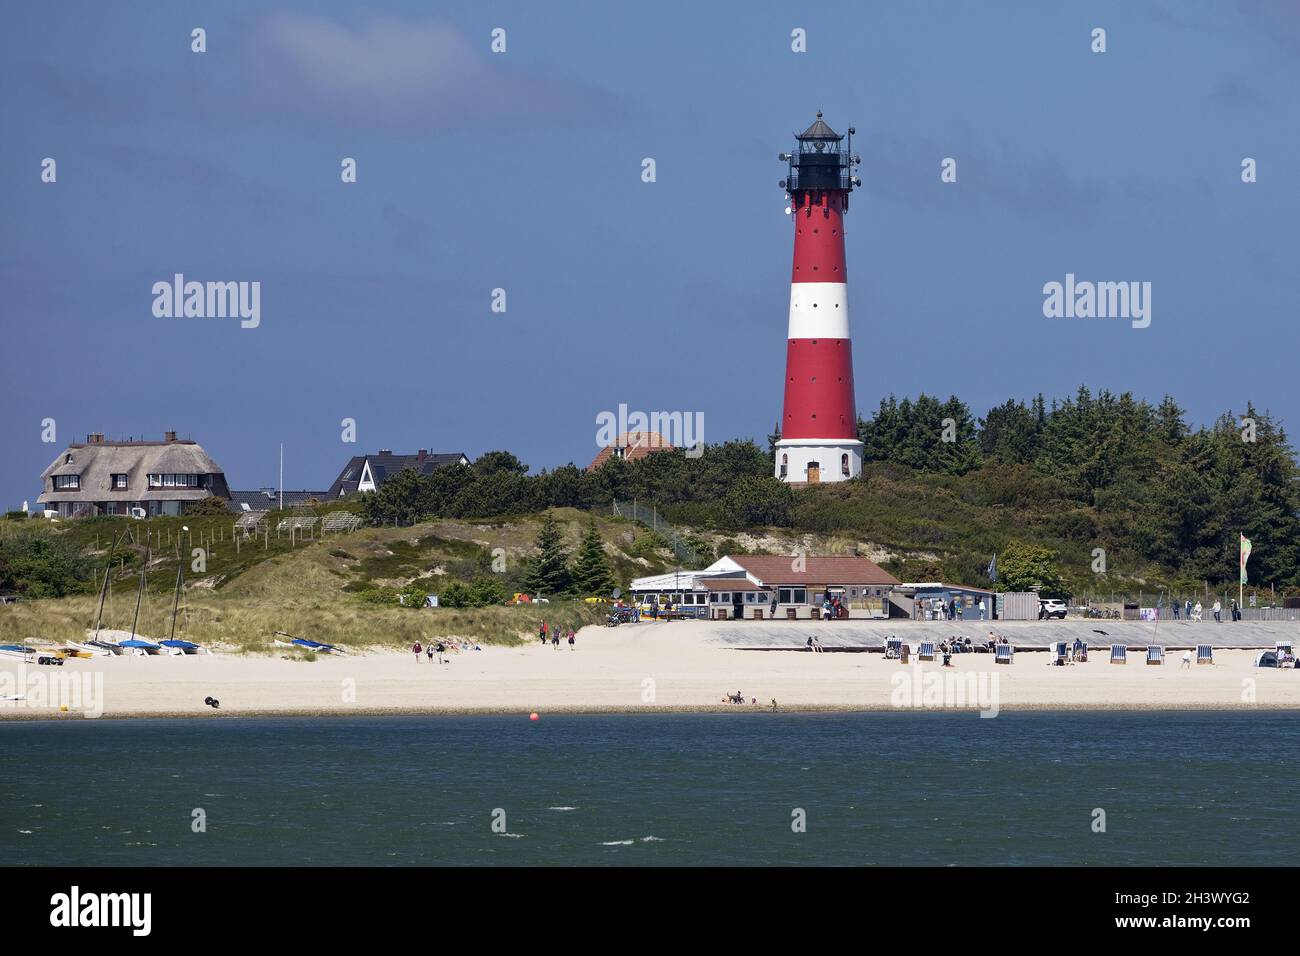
column 1060, row 653
column 926, row 653
column 1119, row 653
column 1204, row 654
column 893, row 648
column 1002, row 653
column 1155, row 654
column 1082, row 653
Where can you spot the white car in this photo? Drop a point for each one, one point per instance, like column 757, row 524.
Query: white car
column 1051, row 607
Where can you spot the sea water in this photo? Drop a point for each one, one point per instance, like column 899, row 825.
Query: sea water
column 1100, row 788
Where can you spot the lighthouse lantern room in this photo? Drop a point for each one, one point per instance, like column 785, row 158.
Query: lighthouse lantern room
column 819, row 440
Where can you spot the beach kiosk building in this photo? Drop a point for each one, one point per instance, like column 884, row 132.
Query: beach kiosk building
column 745, row 586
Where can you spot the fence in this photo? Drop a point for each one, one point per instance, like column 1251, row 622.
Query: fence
column 650, row 517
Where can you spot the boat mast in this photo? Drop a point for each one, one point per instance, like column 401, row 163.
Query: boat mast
column 144, row 568
column 176, row 601
column 103, row 590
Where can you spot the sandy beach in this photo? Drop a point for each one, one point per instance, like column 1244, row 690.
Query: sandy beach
column 649, row 667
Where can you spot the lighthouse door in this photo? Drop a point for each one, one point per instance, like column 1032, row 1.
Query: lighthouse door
column 814, row 472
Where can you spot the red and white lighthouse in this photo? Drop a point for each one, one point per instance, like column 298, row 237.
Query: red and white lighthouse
column 819, row 426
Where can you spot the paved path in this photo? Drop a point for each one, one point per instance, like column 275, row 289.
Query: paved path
column 864, row 634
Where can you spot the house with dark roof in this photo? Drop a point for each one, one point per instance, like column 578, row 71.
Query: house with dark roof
column 369, row 472
column 99, row 477
column 269, row 499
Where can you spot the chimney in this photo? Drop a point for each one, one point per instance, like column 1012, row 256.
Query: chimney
column 424, row 453
column 95, row 438
column 169, row 436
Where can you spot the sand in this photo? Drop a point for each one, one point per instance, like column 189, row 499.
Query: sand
column 647, row 667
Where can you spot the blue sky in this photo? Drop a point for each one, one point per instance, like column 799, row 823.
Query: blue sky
column 522, row 171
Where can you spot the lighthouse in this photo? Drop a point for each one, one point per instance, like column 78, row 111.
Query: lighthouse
column 819, row 424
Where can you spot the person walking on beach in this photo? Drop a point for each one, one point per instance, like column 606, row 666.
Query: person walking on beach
column 442, row 649
column 542, row 634
column 1177, row 605
column 1187, row 609
column 1218, row 612
column 1196, row 612
column 429, row 652
column 1187, row 658
column 572, row 634
column 982, row 609
column 417, row 648
column 555, row 638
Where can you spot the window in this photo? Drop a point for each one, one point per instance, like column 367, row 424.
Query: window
column 844, row 464
column 783, row 595
column 785, row 465
column 713, row 598
column 67, row 482
column 174, row 481
column 749, row 597
column 724, row 597
column 119, row 481
column 800, row 596
column 67, row 459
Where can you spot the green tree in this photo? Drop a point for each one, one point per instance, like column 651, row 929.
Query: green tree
column 591, row 574
column 489, row 463
column 487, row 591
column 547, row 573
column 455, row 594
column 759, row 501
column 1030, row 567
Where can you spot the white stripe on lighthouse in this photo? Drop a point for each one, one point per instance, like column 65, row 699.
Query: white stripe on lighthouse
column 819, row 310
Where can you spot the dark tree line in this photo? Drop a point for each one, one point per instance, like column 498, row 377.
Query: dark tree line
column 1103, row 467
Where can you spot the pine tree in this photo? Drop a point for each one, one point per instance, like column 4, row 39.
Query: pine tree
column 547, row 572
column 591, row 574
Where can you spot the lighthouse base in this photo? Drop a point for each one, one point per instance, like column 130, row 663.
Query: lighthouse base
column 818, row 460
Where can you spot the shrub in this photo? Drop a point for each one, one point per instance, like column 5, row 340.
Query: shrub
column 414, row 595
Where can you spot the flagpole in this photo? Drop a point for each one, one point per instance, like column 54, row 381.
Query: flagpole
column 1241, row 571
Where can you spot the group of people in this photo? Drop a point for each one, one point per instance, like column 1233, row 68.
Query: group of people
column 952, row 609
column 1193, row 612
column 553, row 634
column 431, row 650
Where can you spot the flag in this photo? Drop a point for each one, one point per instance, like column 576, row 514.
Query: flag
column 993, row 568
column 1245, row 555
